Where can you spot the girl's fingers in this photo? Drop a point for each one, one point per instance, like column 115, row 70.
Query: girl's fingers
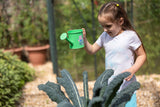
column 84, row 32
column 128, row 78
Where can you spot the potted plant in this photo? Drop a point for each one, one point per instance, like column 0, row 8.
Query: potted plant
column 34, row 31
column 24, row 25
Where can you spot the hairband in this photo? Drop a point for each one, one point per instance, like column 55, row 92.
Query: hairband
column 117, row 5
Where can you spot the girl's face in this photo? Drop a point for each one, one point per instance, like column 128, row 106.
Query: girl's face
column 113, row 28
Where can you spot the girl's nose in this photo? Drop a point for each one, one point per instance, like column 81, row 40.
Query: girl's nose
column 105, row 29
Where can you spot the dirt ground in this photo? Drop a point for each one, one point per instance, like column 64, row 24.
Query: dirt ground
column 147, row 96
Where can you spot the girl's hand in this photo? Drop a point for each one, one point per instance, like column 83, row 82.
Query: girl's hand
column 84, row 34
column 130, row 76
column 90, row 48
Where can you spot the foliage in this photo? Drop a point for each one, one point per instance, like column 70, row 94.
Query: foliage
column 23, row 23
column 65, row 20
column 105, row 95
column 5, row 35
column 147, row 21
column 14, row 74
column 32, row 19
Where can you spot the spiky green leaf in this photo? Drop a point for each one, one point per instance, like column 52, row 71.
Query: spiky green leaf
column 125, row 95
column 70, row 87
column 96, row 102
column 85, row 88
column 113, row 87
column 53, row 91
column 101, row 81
column 65, row 104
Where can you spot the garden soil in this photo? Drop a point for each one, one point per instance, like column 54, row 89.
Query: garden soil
column 147, row 96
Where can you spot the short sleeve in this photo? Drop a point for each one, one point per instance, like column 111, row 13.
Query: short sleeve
column 100, row 40
column 135, row 41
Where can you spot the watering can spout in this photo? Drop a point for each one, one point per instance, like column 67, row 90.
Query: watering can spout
column 64, row 37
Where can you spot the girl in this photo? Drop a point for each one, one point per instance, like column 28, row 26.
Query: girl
column 124, row 51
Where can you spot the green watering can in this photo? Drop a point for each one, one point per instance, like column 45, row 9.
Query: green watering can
column 74, row 37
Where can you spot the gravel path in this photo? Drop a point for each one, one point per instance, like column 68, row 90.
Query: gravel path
column 147, row 96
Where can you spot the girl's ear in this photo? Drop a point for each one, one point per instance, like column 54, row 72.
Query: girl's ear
column 121, row 21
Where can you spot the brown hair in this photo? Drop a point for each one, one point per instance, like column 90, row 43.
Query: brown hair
column 117, row 11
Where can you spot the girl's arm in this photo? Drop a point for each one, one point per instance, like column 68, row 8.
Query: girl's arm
column 91, row 49
column 141, row 58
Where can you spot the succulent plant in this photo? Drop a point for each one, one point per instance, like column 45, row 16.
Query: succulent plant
column 104, row 94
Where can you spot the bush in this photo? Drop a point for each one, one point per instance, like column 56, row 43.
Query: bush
column 104, row 94
column 13, row 75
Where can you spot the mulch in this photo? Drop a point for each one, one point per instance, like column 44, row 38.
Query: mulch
column 147, row 96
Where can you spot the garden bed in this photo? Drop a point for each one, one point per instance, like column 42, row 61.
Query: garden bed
column 147, row 96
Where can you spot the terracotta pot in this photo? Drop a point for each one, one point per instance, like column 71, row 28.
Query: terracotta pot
column 37, row 55
column 15, row 51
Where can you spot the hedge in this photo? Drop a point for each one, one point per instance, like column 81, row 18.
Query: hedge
column 13, row 75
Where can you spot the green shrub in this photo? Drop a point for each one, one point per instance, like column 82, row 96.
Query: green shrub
column 104, row 94
column 13, row 75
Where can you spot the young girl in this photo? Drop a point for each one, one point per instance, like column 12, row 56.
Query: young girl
column 124, row 51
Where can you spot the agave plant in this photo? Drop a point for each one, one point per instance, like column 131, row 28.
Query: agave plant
column 104, row 94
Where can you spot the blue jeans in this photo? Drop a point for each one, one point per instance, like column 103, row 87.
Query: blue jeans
column 132, row 102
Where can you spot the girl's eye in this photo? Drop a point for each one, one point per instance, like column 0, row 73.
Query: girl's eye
column 108, row 26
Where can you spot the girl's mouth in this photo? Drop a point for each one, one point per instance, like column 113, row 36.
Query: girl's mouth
column 109, row 33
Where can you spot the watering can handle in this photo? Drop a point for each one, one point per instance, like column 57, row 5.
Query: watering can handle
column 64, row 36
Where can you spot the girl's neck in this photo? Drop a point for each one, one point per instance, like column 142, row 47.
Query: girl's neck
column 120, row 32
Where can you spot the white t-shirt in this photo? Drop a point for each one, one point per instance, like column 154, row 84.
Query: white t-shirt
column 119, row 50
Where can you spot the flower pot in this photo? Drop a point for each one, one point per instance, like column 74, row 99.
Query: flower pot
column 15, row 51
column 37, row 55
